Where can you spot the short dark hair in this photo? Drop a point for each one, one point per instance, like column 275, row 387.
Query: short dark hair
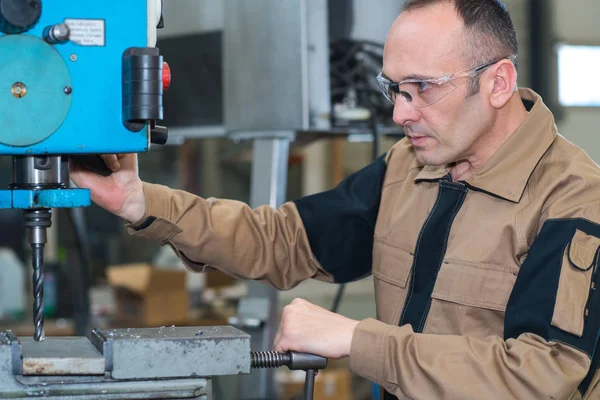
column 490, row 35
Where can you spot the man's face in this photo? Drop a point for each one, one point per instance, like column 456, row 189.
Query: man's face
column 429, row 43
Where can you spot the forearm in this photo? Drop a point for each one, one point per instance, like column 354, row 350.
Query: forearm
column 262, row 244
column 421, row 366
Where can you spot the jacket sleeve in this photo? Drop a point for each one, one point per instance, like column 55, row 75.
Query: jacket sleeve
column 551, row 331
column 456, row 367
column 262, row 244
column 327, row 236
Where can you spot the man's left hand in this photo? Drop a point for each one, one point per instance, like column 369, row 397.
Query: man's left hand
column 308, row 328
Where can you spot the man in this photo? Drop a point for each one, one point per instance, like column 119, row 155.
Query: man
column 481, row 228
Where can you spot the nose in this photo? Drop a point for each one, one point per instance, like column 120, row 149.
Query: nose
column 404, row 113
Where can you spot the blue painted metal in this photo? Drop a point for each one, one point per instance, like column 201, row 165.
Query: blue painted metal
column 38, row 114
column 94, row 122
column 86, row 121
column 53, row 198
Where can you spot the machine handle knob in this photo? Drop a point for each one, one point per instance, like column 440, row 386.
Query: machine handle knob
column 291, row 359
column 294, row 361
column 18, row 16
column 159, row 134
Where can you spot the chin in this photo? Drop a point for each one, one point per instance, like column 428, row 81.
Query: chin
column 431, row 159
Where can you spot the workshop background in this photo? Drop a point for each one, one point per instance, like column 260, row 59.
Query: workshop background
column 323, row 80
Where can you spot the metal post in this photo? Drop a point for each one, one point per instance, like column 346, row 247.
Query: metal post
column 270, row 93
column 269, row 171
column 258, row 314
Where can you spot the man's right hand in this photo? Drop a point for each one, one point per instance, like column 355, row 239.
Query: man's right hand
column 120, row 193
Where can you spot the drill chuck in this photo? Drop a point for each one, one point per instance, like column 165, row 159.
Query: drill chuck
column 37, row 221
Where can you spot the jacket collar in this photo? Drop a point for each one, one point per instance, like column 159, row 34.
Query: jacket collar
column 507, row 172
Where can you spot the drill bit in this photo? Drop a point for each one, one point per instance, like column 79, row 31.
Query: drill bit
column 37, row 221
column 38, row 291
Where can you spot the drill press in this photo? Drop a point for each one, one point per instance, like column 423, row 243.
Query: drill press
column 77, row 79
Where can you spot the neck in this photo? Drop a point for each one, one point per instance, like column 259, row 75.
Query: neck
column 505, row 124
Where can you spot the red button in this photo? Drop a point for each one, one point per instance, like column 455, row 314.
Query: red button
column 166, row 76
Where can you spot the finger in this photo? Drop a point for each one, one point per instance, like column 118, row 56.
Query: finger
column 74, row 168
column 121, row 155
column 129, row 161
column 281, row 342
column 111, row 161
column 299, row 300
column 312, row 306
column 85, row 179
column 302, row 302
column 278, row 345
column 277, row 339
column 77, row 174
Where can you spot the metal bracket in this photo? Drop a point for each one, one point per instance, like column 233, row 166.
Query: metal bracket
column 50, row 198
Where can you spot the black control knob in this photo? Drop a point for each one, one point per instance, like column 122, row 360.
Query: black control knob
column 159, row 134
column 18, row 16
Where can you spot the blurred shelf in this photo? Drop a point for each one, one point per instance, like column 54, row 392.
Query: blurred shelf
column 241, row 151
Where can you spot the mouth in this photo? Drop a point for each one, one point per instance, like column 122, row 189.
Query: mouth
column 417, row 141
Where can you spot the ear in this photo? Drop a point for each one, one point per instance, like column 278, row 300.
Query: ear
column 504, row 82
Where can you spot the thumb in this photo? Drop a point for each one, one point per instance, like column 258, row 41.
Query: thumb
column 129, row 161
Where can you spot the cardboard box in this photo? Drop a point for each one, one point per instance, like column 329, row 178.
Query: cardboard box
column 148, row 296
column 217, row 280
column 330, row 384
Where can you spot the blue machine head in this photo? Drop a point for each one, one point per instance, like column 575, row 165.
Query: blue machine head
column 66, row 95
column 76, row 78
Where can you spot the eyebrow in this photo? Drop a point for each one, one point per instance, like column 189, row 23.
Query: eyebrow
column 419, row 77
column 412, row 76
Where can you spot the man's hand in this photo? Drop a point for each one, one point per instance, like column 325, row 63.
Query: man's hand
column 308, row 328
column 121, row 193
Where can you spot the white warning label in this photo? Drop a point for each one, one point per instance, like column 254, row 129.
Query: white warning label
column 87, row 32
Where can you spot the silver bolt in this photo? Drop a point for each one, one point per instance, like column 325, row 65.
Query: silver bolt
column 68, row 89
column 73, row 57
column 61, row 32
column 57, row 34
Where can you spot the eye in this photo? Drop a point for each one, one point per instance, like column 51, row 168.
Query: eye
column 393, row 88
column 406, row 96
column 423, row 86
